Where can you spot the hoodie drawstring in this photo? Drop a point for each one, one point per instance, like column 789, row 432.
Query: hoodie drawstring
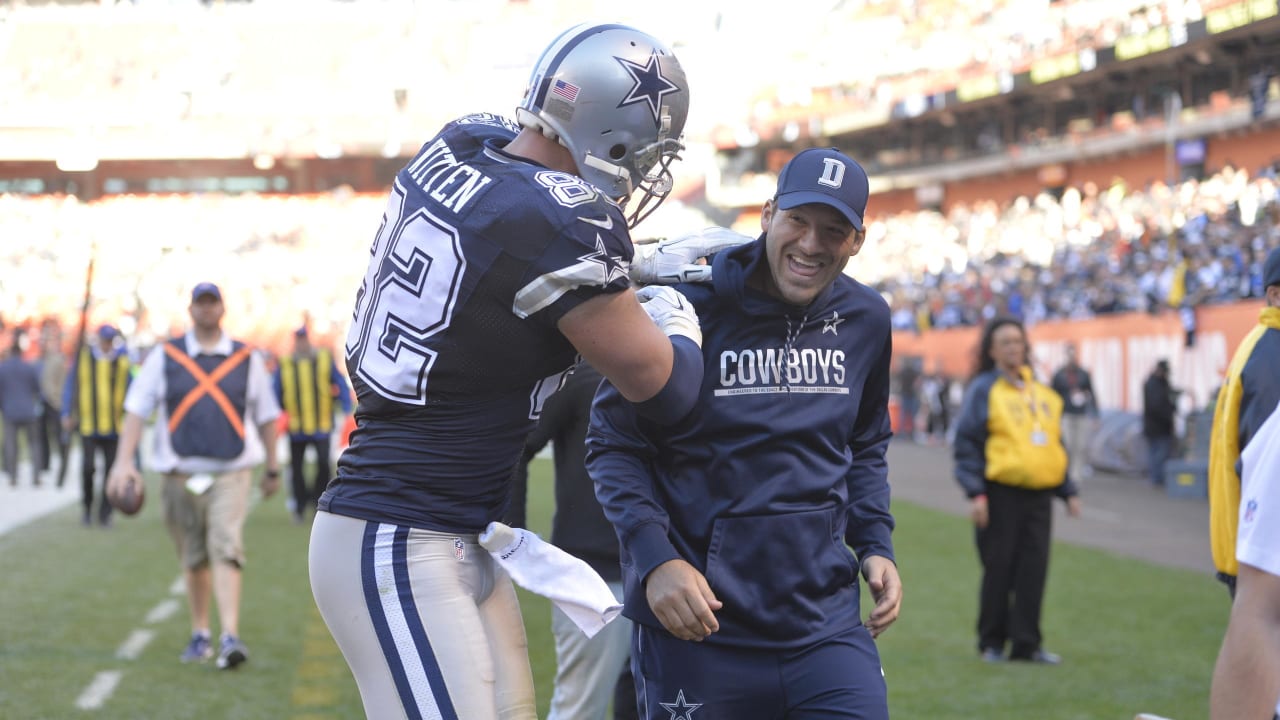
column 793, row 334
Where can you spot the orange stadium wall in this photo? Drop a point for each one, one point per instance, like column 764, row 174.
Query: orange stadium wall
column 1246, row 150
column 892, row 202
column 1118, row 350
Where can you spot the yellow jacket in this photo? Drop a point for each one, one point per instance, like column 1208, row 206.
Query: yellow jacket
column 1012, row 437
column 1250, row 391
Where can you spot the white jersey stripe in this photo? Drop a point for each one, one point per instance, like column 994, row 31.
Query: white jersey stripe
column 399, row 643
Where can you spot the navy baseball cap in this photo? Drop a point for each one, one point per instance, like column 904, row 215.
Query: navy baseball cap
column 107, row 332
column 1271, row 269
column 205, row 288
column 827, row 176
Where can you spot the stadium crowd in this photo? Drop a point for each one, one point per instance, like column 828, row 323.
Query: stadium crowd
column 1089, row 251
column 1086, row 252
column 1080, row 253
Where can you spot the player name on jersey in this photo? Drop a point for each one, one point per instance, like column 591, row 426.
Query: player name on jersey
column 451, row 183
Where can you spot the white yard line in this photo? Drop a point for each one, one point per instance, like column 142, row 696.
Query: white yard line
column 163, row 611
column 133, row 645
column 104, row 683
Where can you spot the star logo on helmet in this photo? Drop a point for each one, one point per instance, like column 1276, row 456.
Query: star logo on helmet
column 650, row 85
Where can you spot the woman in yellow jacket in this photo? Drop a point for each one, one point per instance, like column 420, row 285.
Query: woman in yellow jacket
column 1011, row 462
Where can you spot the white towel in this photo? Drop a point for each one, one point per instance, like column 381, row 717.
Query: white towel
column 546, row 570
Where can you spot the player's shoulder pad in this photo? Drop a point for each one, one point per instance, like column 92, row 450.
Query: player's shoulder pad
column 583, row 212
column 468, row 133
column 479, row 121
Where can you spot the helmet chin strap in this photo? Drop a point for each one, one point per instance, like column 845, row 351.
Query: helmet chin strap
column 617, row 172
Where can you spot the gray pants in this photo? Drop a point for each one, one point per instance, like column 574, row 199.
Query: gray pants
column 36, row 449
column 1076, row 431
column 587, row 669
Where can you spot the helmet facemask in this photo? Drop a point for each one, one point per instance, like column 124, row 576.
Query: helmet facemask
column 648, row 181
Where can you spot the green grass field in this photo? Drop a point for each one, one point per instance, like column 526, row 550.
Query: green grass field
column 1136, row 637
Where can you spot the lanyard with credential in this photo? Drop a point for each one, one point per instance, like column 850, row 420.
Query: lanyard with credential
column 1038, row 437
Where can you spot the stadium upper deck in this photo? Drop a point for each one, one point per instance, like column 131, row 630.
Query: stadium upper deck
column 960, row 105
column 916, row 83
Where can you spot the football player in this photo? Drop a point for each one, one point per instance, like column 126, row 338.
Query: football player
column 503, row 254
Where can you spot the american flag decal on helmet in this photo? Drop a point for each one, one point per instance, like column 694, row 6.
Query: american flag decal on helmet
column 568, row 91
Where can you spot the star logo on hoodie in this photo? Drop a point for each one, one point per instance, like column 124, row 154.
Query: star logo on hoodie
column 832, row 323
column 680, row 710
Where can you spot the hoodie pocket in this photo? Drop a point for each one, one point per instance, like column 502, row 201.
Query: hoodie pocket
column 783, row 575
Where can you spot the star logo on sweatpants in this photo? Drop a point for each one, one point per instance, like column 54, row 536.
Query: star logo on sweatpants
column 832, row 323
column 680, row 710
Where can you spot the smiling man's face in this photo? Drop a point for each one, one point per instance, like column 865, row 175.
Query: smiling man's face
column 807, row 248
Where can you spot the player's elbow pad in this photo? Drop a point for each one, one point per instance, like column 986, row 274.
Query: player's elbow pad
column 678, row 396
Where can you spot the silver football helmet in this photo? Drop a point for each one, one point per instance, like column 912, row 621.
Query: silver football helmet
column 617, row 98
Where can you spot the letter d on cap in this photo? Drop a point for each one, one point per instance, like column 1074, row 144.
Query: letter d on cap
column 832, row 173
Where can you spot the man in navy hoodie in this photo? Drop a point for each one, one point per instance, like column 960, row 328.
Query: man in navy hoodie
column 744, row 524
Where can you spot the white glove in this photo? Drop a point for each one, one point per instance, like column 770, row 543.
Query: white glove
column 670, row 311
column 674, row 260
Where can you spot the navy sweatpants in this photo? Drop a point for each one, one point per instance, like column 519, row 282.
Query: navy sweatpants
column 839, row 677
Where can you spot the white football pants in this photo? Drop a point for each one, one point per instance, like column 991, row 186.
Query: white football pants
column 427, row 621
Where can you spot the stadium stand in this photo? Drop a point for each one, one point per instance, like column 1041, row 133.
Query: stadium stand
column 1027, row 157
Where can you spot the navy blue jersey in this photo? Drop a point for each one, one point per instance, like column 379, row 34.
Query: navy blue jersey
column 453, row 345
column 776, row 473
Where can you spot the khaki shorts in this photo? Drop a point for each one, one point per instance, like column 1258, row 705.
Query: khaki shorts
column 209, row 526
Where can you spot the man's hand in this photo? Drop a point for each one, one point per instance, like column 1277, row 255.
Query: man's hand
column 670, row 311
column 886, row 589
column 681, row 599
column 1073, row 506
column 978, row 511
column 122, row 474
column 674, row 260
column 270, row 483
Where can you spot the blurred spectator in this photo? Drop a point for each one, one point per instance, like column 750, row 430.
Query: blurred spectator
column 935, row 389
column 93, row 406
column 1010, row 463
column 306, row 383
column 1159, row 405
column 53, row 374
column 908, row 396
column 20, row 408
column 215, row 419
column 1079, row 412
